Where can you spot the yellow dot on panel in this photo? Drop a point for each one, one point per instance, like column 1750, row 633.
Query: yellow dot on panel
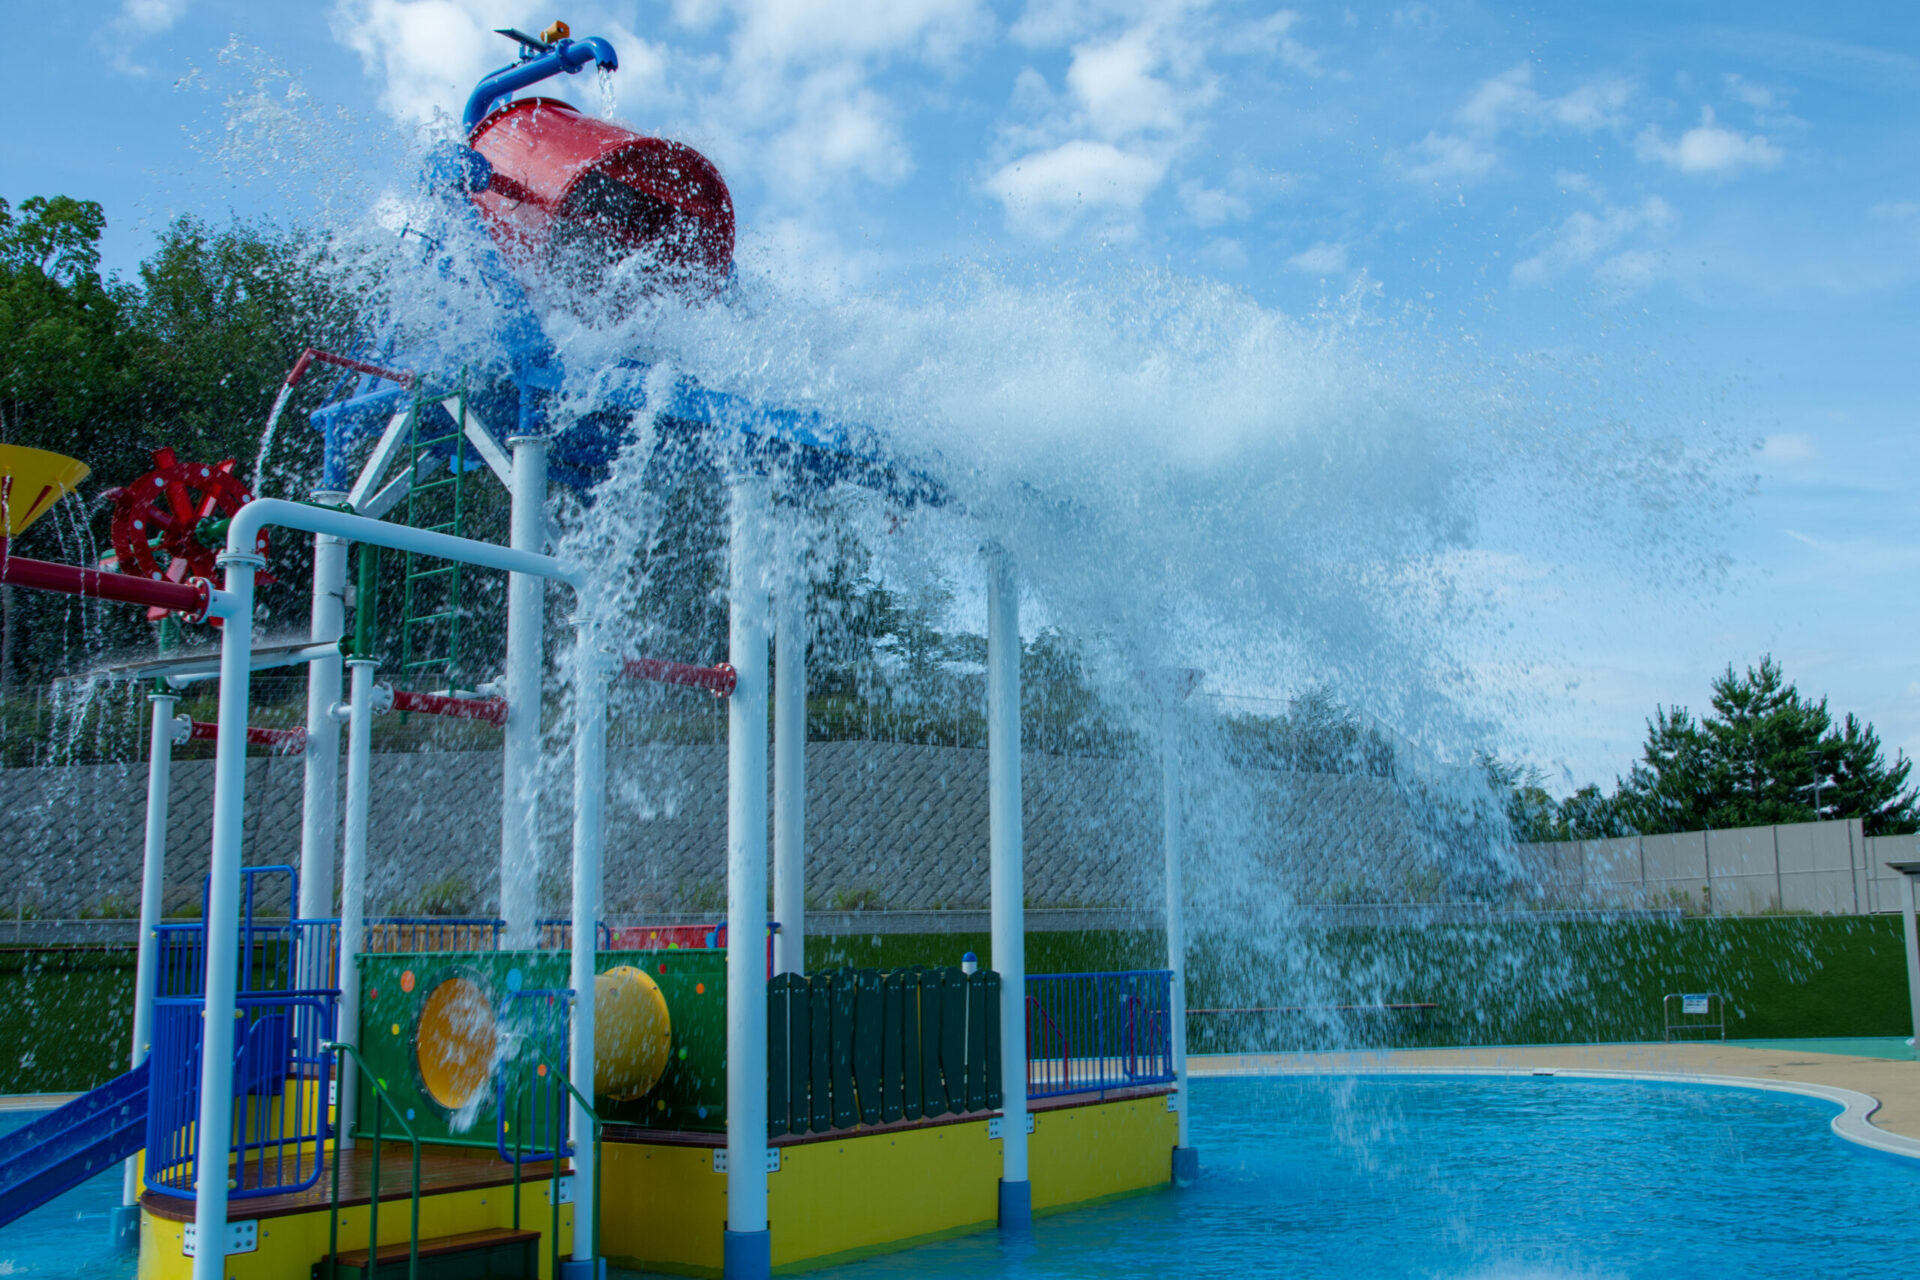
column 396, row 1028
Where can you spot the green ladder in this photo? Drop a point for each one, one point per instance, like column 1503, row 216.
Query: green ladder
column 430, row 614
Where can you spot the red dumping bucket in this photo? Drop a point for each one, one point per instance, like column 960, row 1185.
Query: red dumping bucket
column 575, row 194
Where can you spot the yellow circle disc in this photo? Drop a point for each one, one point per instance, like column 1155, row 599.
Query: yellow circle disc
column 456, row 1042
column 632, row 1034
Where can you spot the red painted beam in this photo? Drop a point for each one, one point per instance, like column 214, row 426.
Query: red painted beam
column 292, row 741
column 189, row 598
column 492, row 710
column 313, row 355
column 719, row 681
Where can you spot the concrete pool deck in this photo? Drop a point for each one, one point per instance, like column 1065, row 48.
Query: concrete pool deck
column 1881, row 1095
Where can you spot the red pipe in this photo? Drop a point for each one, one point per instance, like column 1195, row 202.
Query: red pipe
column 292, row 741
column 312, row 354
column 719, row 681
column 492, row 710
column 190, row 598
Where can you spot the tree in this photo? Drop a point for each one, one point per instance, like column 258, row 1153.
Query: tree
column 1764, row 754
column 190, row 355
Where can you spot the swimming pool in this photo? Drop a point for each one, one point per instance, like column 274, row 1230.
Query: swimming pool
column 1481, row 1179
column 67, row 1236
column 1456, row 1179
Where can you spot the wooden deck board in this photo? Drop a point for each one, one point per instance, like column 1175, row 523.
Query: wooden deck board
column 442, row 1169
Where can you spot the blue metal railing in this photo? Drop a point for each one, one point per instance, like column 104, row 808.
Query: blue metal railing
column 536, row 1022
column 1093, row 1031
column 281, row 1077
column 280, row 955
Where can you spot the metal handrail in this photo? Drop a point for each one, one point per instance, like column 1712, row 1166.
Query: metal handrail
column 373, row 1201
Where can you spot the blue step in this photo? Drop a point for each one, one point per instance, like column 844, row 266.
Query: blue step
column 64, row 1148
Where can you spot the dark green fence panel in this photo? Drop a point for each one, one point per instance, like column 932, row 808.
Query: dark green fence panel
column 867, row 1047
column 799, row 1052
column 779, row 1045
column 820, row 1060
column 893, row 1038
column 977, row 1041
column 996, row 1091
column 933, row 1090
column 911, row 1081
column 868, row 1023
column 845, row 1005
column 953, row 1037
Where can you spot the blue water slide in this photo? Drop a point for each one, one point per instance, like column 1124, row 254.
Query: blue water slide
column 64, row 1148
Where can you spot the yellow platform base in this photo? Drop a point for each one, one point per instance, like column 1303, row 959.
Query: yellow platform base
column 834, row 1198
column 290, row 1243
column 848, row 1195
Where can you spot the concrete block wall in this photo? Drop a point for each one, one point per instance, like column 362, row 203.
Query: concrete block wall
column 1821, row 867
column 891, row 825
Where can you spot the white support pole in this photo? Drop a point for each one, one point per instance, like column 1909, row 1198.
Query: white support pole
column 353, row 885
column 1006, row 878
column 153, row 876
column 215, row 1128
column 1910, row 925
column 520, row 751
column 320, row 799
column 748, row 1250
column 790, row 777
column 1173, row 692
column 589, row 827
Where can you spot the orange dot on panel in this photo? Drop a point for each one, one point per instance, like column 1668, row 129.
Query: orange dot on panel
column 699, row 988
column 542, row 1069
column 406, row 980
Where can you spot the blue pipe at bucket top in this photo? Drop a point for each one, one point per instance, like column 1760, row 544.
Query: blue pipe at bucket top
column 513, row 399
column 563, row 57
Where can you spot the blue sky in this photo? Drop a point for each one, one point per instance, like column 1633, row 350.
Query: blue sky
column 1700, row 218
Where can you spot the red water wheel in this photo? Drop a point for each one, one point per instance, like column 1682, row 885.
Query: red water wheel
column 159, row 519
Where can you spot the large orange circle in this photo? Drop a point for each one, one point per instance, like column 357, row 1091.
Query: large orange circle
column 456, row 1041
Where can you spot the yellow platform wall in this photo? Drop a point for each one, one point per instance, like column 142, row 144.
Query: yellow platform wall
column 662, row 1205
column 665, row 1207
column 291, row 1243
column 1079, row 1154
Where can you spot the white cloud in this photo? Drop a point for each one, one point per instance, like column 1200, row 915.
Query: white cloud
column 1100, row 147
column 1584, row 239
column 1509, row 100
column 1324, row 259
column 1210, row 206
column 1896, row 210
column 804, row 32
column 1116, row 87
column 1757, row 96
column 152, row 16
column 426, row 54
column 1708, row 149
column 136, row 21
column 1047, row 192
column 1440, row 159
column 1273, row 36
column 1788, row 448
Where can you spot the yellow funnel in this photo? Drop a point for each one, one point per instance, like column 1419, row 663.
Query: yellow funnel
column 31, row 481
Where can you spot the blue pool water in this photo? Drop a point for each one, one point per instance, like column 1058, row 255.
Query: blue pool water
column 1535, row 1179
column 1531, row 1179
column 67, row 1236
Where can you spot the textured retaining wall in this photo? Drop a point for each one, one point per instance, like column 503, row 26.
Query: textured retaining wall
column 894, row 825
